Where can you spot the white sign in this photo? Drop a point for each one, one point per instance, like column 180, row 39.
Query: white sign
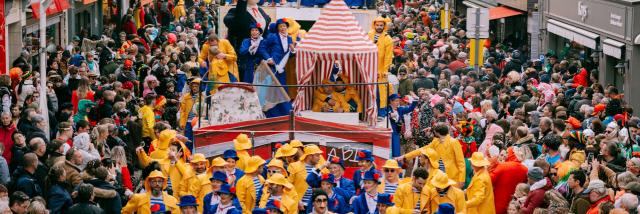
column 615, row 20
column 583, row 11
column 478, row 22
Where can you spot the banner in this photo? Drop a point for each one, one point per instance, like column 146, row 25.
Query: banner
column 3, row 49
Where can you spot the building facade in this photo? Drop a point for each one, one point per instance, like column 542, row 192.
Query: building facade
column 606, row 32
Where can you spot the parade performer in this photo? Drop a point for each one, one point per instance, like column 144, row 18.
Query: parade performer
column 480, row 191
column 386, row 204
column 197, row 180
column 279, row 189
column 409, row 196
column 365, row 203
column 219, row 57
column 189, row 109
column 337, row 170
column 188, row 204
column 250, row 53
column 242, row 144
column 250, row 185
column 349, row 93
column 391, row 171
column 445, row 191
column 326, row 99
column 336, row 202
column 365, row 161
column 277, row 49
column 310, row 160
column 218, row 179
column 155, row 199
column 233, row 173
column 396, row 116
column 172, row 156
column 239, row 19
column 378, row 35
column 226, row 205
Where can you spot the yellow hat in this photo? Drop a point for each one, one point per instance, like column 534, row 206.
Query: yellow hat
column 279, row 179
column 198, row 157
column 279, row 164
column 432, row 155
column 311, row 150
column 391, row 164
column 219, row 162
column 477, row 159
column 253, row 164
column 196, row 80
column 165, row 138
column 285, row 151
column 242, row 142
column 441, row 180
column 296, row 144
column 155, row 174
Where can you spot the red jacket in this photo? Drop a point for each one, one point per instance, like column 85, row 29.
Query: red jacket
column 580, row 79
column 509, row 175
column 535, row 198
column 5, row 138
column 457, row 64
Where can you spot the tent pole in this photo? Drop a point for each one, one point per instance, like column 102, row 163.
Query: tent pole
column 292, row 126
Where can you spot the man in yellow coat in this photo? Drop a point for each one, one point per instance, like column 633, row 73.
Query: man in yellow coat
column 277, row 187
column 249, row 186
column 226, row 53
column 450, row 153
column 173, row 161
column 326, row 99
column 445, row 191
column 480, row 190
column 154, row 200
column 242, row 144
column 197, row 180
column 379, row 36
column 408, row 195
column 189, row 108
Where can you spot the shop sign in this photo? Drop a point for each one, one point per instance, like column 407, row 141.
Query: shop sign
column 615, row 20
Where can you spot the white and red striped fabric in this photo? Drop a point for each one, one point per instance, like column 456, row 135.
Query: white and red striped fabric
column 337, row 36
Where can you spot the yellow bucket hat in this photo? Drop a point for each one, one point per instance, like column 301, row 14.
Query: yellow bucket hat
column 218, row 162
column 198, row 157
column 254, row 163
column 391, row 164
column 156, row 174
column 279, row 179
column 165, row 138
column 311, row 150
column 441, row 180
column 432, row 155
column 286, row 151
column 242, row 142
column 279, row 164
column 477, row 159
column 296, row 144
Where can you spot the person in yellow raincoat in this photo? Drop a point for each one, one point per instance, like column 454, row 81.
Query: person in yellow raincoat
column 249, row 186
column 146, row 203
column 226, row 53
column 179, row 11
column 297, row 34
column 299, row 170
column 480, row 190
column 277, row 187
column 349, row 93
column 378, row 35
column 276, row 166
column 218, row 68
column 450, row 153
column 409, row 194
column 326, row 99
column 391, row 171
column 197, row 181
column 148, row 116
column 189, row 104
column 445, row 191
column 173, row 161
column 429, row 159
column 242, row 144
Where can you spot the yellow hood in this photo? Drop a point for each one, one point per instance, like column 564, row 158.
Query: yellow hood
column 154, row 174
column 294, row 28
column 165, row 139
column 379, row 19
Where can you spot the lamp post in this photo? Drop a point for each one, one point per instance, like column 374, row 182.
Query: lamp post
column 43, row 63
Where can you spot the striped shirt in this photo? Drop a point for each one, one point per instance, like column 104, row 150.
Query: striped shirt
column 441, row 165
column 417, row 192
column 258, row 185
column 390, row 188
column 307, row 194
column 157, row 201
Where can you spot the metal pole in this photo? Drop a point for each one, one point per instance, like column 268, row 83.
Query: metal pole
column 477, row 45
column 292, row 125
column 253, row 143
column 388, row 104
column 446, row 18
column 43, row 63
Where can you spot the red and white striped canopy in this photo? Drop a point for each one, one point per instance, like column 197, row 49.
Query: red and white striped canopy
column 337, row 37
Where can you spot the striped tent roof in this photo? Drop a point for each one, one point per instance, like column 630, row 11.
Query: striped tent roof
column 336, row 31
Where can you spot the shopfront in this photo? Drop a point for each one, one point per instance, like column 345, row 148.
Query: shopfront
column 85, row 18
column 599, row 33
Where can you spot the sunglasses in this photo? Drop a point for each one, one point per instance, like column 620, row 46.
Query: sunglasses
column 389, row 170
column 272, row 171
column 321, row 200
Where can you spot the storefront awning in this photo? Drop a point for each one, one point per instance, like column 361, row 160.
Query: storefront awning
column 572, row 33
column 612, row 48
column 502, row 12
column 56, row 6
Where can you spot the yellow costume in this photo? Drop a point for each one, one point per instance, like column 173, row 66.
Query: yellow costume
column 450, row 153
column 148, row 121
column 179, row 11
column 298, row 177
column 385, row 58
column 189, row 104
column 350, row 94
column 230, row 59
column 406, row 199
column 197, row 185
column 480, row 190
column 175, row 171
column 242, row 144
column 141, row 203
column 454, row 195
column 289, row 201
column 245, row 190
column 321, row 97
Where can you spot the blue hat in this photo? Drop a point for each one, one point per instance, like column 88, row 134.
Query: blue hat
column 328, row 177
column 255, row 25
column 230, row 153
column 273, row 204
column 219, row 176
column 393, row 97
column 371, row 175
column 385, row 199
column 337, row 160
column 282, row 21
column 273, row 28
column 364, row 155
column 187, row 201
column 259, row 211
column 445, row 208
column 227, row 189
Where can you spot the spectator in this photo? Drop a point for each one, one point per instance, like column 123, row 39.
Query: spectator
column 19, row 202
column 25, row 176
column 58, row 199
column 539, row 186
column 84, row 204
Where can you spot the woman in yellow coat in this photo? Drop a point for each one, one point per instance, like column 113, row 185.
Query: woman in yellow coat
column 480, row 190
column 246, row 190
column 154, row 185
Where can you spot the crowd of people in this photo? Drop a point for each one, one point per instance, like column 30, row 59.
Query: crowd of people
column 513, row 136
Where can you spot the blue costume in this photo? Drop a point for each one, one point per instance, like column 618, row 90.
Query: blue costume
column 272, row 48
column 208, row 208
column 344, row 186
column 230, row 153
column 358, row 175
column 252, row 55
column 336, row 203
column 397, row 122
column 360, row 3
column 360, row 202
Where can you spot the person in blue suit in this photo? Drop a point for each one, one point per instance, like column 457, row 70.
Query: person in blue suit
column 335, row 202
column 365, row 161
column 188, row 204
column 232, row 172
column 345, row 185
column 249, row 50
column 276, row 50
column 396, row 113
column 366, row 203
column 227, row 195
column 211, row 200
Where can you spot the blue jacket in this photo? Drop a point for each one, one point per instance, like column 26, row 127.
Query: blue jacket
column 272, row 47
column 235, row 210
column 211, row 209
column 58, row 199
column 402, row 110
column 346, row 189
column 26, row 183
column 337, row 204
column 181, row 81
column 311, row 3
column 251, row 59
column 357, row 179
column 360, row 205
